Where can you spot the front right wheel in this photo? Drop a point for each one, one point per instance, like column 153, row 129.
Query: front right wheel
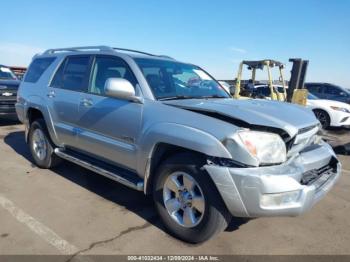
column 187, row 200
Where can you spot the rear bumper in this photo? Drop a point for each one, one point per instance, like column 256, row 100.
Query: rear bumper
column 245, row 190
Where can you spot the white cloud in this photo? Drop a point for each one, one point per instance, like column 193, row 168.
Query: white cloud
column 238, row 50
column 14, row 54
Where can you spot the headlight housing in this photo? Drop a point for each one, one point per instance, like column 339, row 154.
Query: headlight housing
column 342, row 109
column 280, row 199
column 265, row 148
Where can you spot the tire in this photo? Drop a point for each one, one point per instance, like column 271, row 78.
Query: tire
column 39, row 140
column 209, row 218
column 323, row 117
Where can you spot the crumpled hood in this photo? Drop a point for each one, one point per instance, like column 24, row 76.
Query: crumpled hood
column 259, row 112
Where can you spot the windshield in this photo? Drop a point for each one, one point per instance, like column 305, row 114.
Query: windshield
column 174, row 80
column 312, row 97
column 6, row 73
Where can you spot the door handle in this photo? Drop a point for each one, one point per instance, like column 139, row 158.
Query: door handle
column 86, row 102
column 51, row 94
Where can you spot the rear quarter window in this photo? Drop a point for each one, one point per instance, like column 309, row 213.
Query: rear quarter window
column 37, row 68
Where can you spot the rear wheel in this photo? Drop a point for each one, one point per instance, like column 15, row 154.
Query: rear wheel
column 41, row 146
column 187, row 200
column 323, row 117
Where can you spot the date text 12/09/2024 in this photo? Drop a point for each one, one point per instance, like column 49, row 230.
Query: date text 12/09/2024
column 173, row 258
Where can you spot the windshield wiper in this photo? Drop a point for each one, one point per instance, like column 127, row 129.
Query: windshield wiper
column 177, row 98
column 213, row 96
column 189, row 97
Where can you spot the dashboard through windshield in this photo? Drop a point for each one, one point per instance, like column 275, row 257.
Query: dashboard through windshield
column 174, row 80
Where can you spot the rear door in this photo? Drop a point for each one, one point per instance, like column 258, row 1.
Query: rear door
column 109, row 126
column 64, row 96
column 335, row 93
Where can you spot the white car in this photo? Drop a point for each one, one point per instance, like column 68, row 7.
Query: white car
column 329, row 112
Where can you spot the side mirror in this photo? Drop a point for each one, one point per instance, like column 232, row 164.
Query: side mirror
column 120, row 88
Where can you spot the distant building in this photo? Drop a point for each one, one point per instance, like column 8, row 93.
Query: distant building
column 18, row 70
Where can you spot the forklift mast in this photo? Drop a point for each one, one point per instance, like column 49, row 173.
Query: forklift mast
column 297, row 78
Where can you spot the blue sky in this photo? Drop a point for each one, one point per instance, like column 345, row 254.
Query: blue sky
column 213, row 34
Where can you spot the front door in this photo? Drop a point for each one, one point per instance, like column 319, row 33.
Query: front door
column 109, row 127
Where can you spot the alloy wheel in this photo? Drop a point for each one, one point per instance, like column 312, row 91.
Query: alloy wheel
column 183, row 199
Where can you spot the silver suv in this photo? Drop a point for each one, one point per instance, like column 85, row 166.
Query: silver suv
column 169, row 129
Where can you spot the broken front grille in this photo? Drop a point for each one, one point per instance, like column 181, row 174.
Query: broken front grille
column 320, row 176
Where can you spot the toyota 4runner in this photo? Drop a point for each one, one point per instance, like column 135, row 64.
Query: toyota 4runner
column 169, row 129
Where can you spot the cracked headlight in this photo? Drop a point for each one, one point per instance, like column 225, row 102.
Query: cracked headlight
column 265, row 148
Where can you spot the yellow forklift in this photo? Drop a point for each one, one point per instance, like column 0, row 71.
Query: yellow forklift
column 295, row 92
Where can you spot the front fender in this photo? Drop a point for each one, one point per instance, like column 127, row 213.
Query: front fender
column 178, row 135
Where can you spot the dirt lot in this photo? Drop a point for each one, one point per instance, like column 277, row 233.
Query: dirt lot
column 71, row 210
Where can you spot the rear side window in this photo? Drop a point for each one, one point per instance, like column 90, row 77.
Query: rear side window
column 37, row 68
column 266, row 91
column 72, row 74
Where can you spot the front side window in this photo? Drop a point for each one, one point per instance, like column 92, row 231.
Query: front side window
column 313, row 88
column 331, row 90
column 72, row 74
column 37, row 68
column 174, row 80
column 108, row 67
column 6, row 73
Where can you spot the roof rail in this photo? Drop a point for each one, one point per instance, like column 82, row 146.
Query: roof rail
column 140, row 52
column 78, row 48
column 99, row 48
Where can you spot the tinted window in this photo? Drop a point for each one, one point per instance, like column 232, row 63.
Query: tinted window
column 265, row 91
column 331, row 90
column 72, row 74
column 109, row 67
column 37, row 68
column 313, row 88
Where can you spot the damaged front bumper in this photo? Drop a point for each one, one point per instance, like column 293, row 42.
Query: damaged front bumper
column 288, row 189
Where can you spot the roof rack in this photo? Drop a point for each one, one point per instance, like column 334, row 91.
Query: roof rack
column 140, row 52
column 78, row 48
column 99, row 48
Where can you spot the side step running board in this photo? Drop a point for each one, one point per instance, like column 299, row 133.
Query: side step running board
column 134, row 183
